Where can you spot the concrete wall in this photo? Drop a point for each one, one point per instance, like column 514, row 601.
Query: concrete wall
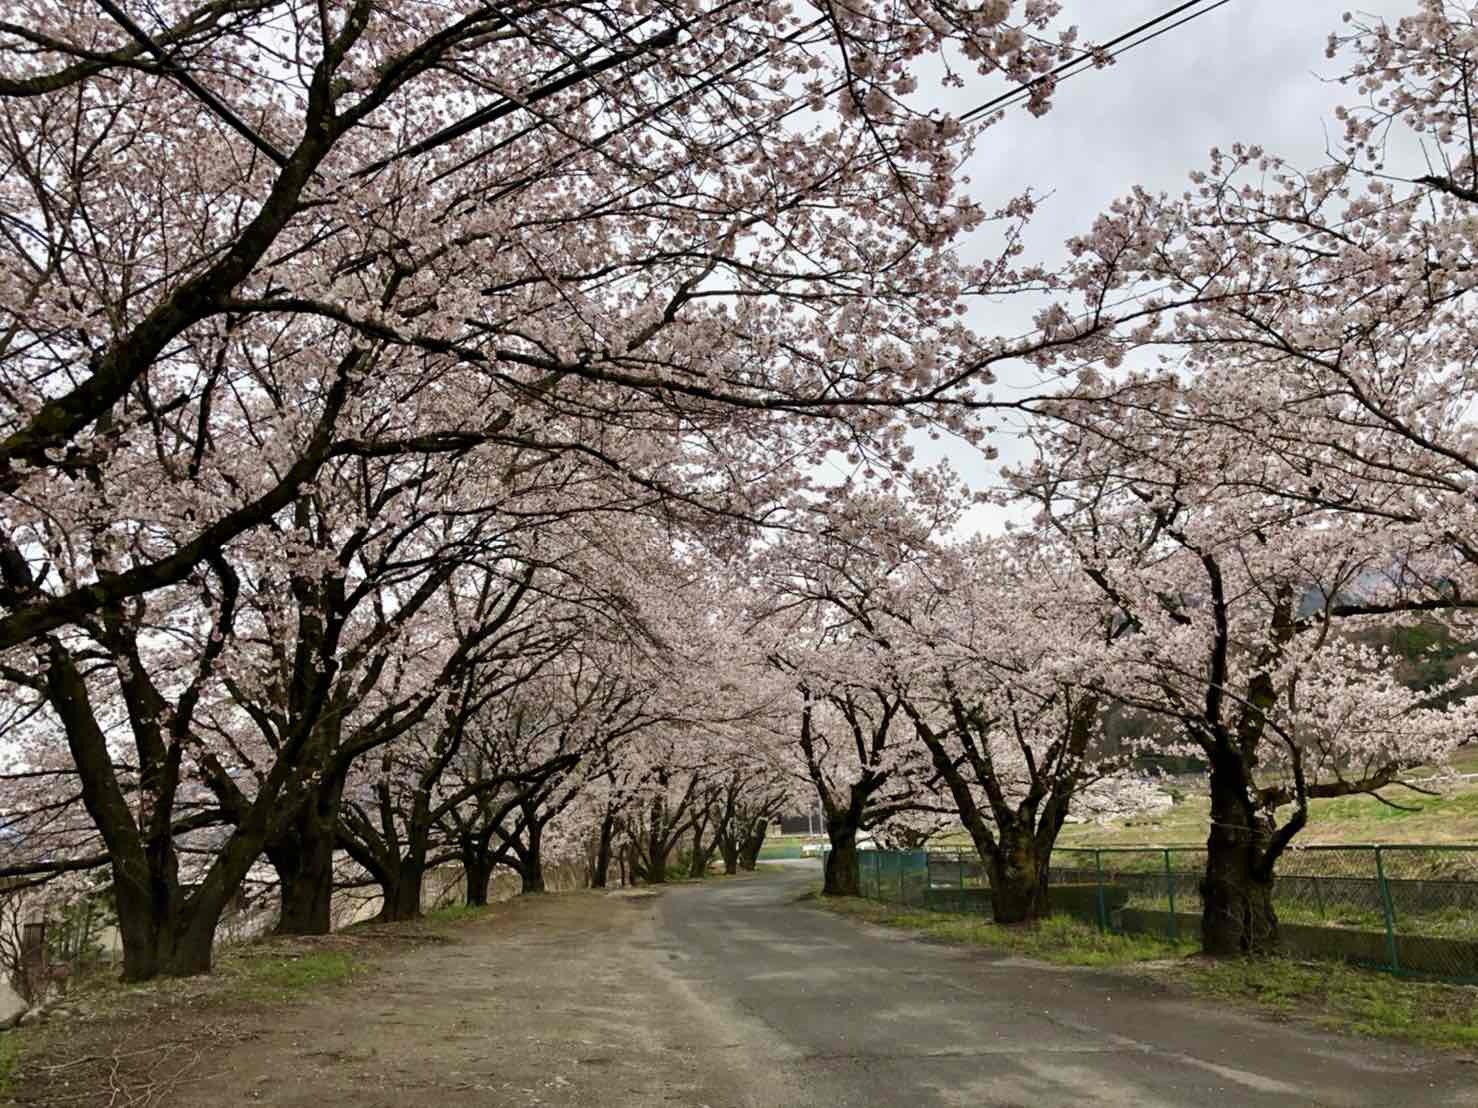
column 1072, row 900
column 10, row 1001
column 1422, row 954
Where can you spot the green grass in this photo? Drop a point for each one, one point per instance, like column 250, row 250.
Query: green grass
column 1342, row 998
column 275, row 977
column 10, row 1054
column 455, row 913
column 787, row 846
column 1059, row 939
column 1451, row 922
column 1449, row 818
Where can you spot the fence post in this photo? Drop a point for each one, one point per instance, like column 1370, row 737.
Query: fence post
column 1098, row 869
column 901, row 898
column 960, row 868
column 1390, row 913
column 1170, row 892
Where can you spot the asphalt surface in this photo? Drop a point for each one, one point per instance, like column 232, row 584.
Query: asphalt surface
column 824, row 1011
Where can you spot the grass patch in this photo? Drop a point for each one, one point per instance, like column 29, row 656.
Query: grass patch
column 281, row 977
column 10, row 1056
column 1063, row 940
column 1451, row 922
column 1343, row 998
column 456, row 913
column 1451, row 818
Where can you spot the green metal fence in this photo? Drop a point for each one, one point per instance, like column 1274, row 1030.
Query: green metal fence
column 1411, row 910
column 897, row 876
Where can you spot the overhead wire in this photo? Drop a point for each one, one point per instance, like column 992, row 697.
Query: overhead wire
column 509, row 105
column 1089, row 59
column 1144, row 32
column 1157, row 27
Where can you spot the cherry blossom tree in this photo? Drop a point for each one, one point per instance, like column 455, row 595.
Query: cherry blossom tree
column 389, row 822
column 755, row 792
column 404, row 610
column 819, row 592
column 1241, row 615
column 669, row 798
column 244, row 239
column 1008, row 653
column 986, row 662
column 227, row 691
column 254, row 252
column 1274, row 366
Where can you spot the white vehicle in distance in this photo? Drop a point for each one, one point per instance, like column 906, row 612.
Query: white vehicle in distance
column 811, row 850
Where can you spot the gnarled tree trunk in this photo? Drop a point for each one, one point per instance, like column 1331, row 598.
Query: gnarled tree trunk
column 1018, row 877
column 1237, row 915
column 600, row 873
column 698, row 863
column 477, row 875
column 754, row 841
column 728, row 848
column 402, row 892
column 157, row 936
column 303, row 856
column 841, row 877
column 531, row 861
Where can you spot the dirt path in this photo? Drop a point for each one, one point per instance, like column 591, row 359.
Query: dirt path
column 559, row 1000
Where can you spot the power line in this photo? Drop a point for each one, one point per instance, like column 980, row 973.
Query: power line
column 668, row 37
column 1081, row 62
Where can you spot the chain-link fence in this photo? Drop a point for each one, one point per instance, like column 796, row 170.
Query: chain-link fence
column 897, row 876
column 1410, row 910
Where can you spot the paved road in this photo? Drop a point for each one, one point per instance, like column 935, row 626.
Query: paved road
column 834, row 1014
column 731, row 995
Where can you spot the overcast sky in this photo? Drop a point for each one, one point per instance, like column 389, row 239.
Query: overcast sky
column 1252, row 71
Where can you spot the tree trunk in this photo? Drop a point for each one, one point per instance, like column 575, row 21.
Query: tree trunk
column 163, row 930
column 303, row 857
column 729, row 850
column 163, row 933
column 698, row 864
column 1237, row 914
column 190, row 949
column 403, row 894
column 754, row 840
column 140, row 931
column 531, row 862
column 1018, row 877
column 841, row 878
column 655, row 870
column 477, row 874
column 600, row 873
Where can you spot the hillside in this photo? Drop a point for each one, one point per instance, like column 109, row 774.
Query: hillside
column 1449, row 818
